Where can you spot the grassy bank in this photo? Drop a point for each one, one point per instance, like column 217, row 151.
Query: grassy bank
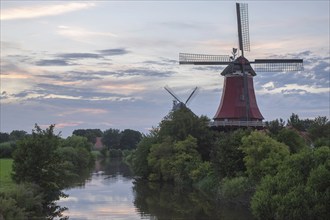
column 5, row 174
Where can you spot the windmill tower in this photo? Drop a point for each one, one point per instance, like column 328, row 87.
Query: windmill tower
column 177, row 103
column 238, row 106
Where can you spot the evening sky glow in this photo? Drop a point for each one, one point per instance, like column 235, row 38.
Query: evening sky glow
column 103, row 64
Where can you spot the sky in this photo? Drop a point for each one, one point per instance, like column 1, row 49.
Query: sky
column 103, row 64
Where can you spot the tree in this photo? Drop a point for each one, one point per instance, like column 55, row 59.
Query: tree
column 179, row 124
column 76, row 152
column 139, row 161
column 23, row 201
column 16, row 135
column 45, row 160
column 160, row 154
column 177, row 150
column 262, row 155
column 320, row 129
column 6, row 149
column 4, row 137
column 299, row 190
column 292, row 139
column 275, row 126
column 111, row 138
column 175, row 161
column 186, row 162
column 295, row 122
column 129, row 139
column 226, row 155
column 36, row 161
column 90, row 134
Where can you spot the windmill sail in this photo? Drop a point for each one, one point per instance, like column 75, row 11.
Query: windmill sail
column 172, row 93
column 278, row 65
column 243, row 26
column 203, row 59
column 191, row 95
column 177, row 103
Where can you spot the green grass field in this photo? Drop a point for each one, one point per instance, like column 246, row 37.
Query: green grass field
column 5, row 174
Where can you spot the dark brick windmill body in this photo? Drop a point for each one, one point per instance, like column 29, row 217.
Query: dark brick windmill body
column 238, row 106
column 233, row 104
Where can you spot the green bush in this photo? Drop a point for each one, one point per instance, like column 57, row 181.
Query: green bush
column 24, row 201
column 226, row 156
column 6, row 149
column 208, row 183
column 292, row 139
column 262, row 155
column 323, row 141
column 140, row 161
column 299, row 190
column 231, row 188
column 9, row 209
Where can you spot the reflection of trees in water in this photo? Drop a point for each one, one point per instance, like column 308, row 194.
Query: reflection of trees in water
column 168, row 202
column 114, row 167
column 80, row 180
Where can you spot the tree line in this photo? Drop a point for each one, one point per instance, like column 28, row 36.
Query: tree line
column 281, row 172
column 115, row 142
column 112, row 139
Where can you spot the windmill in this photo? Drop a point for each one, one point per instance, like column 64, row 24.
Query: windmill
column 238, row 106
column 177, row 103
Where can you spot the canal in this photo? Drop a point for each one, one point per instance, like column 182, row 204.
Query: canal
column 112, row 192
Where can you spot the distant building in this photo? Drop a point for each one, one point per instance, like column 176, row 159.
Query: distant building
column 98, row 144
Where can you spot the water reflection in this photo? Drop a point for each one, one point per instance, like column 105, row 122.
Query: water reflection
column 104, row 196
column 111, row 193
column 168, row 202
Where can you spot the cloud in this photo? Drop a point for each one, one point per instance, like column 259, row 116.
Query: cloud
column 54, row 62
column 71, row 76
column 161, row 62
column 125, row 73
column 210, row 68
column 67, row 124
column 4, row 95
column 292, row 89
column 72, row 56
column 55, row 94
column 41, row 11
column 14, row 75
column 62, row 59
column 114, row 52
column 89, row 111
column 81, row 34
column 146, row 72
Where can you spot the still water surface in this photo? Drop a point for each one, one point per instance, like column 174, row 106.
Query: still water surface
column 112, row 193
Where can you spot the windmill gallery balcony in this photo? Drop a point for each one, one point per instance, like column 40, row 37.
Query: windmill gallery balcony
column 255, row 124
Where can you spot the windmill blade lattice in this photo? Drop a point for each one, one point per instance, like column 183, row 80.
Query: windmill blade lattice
column 243, row 26
column 278, row 65
column 203, row 59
